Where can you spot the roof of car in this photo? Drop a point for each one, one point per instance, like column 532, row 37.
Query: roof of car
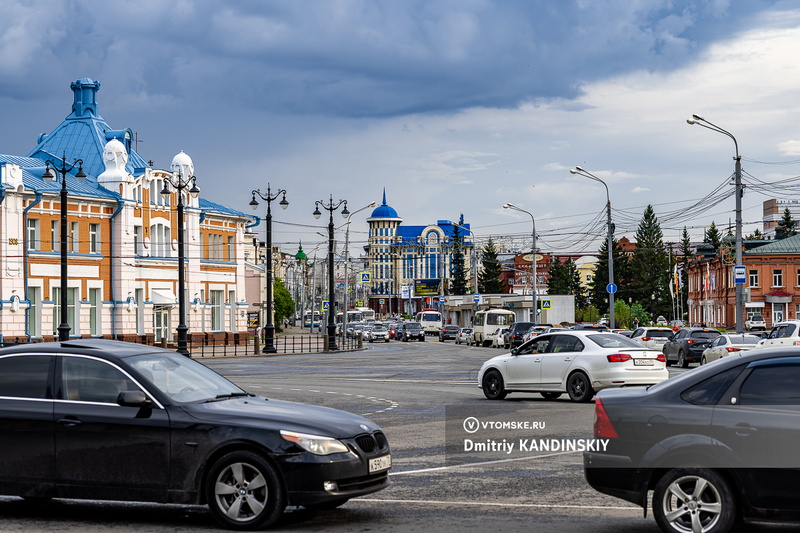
column 86, row 346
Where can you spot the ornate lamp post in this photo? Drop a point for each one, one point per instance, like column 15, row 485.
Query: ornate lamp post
column 183, row 171
column 49, row 177
column 611, row 288
column 269, row 327
column 535, row 302
column 330, row 207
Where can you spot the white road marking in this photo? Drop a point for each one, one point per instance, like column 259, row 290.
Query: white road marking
column 392, row 404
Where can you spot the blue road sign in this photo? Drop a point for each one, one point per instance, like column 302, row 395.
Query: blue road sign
column 611, row 288
column 739, row 274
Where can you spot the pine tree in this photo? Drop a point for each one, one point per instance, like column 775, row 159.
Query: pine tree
column 713, row 235
column 458, row 273
column 683, row 268
column 597, row 294
column 489, row 278
column 787, row 226
column 650, row 273
column 564, row 278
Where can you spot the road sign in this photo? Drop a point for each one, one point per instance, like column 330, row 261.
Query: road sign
column 476, row 298
column 325, row 306
column 739, row 274
column 381, row 301
column 547, row 303
column 253, row 319
column 611, row 288
column 365, row 277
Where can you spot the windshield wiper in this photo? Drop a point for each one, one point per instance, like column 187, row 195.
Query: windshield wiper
column 232, row 395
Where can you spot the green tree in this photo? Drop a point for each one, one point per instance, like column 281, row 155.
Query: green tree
column 649, row 282
column 713, row 235
column 683, row 269
column 787, row 226
column 564, row 278
column 284, row 304
column 489, row 281
column 597, row 294
column 458, row 272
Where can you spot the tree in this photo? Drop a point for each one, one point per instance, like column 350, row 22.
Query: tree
column 649, row 282
column 284, row 304
column 787, row 226
column 683, row 270
column 597, row 294
column 458, row 273
column 489, row 281
column 564, row 278
column 713, row 235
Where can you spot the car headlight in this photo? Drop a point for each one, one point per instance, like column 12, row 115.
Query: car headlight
column 315, row 444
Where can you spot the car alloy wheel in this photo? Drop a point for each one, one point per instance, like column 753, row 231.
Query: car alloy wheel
column 688, row 501
column 682, row 362
column 244, row 492
column 493, row 386
column 579, row 388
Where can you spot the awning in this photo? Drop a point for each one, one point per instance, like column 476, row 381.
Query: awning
column 164, row 297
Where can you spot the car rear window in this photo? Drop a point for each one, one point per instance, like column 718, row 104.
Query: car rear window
column 709, row 391
column 658, row 333
column 24, row 376
column 705, row 334
column 613, row 340
column 743, row 339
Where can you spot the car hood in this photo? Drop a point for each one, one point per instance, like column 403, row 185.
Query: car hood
column 261, row 412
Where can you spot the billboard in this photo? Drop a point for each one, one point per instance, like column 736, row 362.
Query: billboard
column 426, row 287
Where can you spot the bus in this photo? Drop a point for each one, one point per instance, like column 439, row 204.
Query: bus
column 307, row 320
column 487, row 323
column 354, row 315
column 430, row 320
column 367, row 314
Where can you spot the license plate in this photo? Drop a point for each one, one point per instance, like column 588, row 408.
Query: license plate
column 643, row 362
column 380, row 463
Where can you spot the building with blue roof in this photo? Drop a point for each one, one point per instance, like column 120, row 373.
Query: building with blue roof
column 122, row 239
column 411, row 266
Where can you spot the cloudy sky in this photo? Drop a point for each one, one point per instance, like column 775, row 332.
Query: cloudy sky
column 453, row 106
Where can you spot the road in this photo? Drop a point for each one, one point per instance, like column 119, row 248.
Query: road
column 421, row 394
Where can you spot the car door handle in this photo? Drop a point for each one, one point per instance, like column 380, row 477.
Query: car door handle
column 69, row 422
column 743, row 430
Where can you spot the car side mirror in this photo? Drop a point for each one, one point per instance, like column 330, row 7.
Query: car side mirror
column 133, row 398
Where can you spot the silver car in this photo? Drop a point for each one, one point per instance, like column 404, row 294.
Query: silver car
column 726, row 345
column 378, row 332
column 653, row 338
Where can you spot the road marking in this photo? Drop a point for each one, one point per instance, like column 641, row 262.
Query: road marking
column 468, row 465
column 392, row 404
column 497, row 504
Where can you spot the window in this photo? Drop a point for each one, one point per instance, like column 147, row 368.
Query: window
column 160, row 240
column 24, row 376
column 777, row 278
column 798, row 278
column 75, row 238
column 754, row 278
column 55, row 236
column 232, row 310
column 95, row 312
column 71, row 294
column 232, row 252
column 33, row 234
column 90, row 380
column 35, row 311
column 94, row 238
column 709, row 391
column 217, row 300
column 137, row 240
column 774, row 384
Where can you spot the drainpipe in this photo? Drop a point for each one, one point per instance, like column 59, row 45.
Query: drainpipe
column 120, row 206
column 25, row 256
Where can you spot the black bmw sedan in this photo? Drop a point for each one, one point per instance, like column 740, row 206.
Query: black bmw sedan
column 99, row 419
column 715, row 445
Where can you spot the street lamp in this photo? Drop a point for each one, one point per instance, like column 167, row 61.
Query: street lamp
column 330, row 207
column 611, row 288
column 533, row 260
column 49, row 177
column 183, row 170
column 347, row 264
column 269, row 327
column 700, row 121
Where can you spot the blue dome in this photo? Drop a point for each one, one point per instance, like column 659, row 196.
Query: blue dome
column 384, row 210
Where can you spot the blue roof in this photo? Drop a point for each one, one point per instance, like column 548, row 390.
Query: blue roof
column 208, row 205
column 408, row 234
column 32, row 170
column 384, row 210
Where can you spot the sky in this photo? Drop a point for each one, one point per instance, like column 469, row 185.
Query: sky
column 451, row 106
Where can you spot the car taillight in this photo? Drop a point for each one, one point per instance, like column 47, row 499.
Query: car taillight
column 602, row 423
column 647, row 338
column 733, row 349
column 661, row 358
column 619, row 357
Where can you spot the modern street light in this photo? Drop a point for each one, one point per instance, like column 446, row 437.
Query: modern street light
column 700, row 121
column 330, row 207
column 533, row 260
column 611, row 288
column 49, row 177
column 183, row 170
column 347, row 264
column 269, row 327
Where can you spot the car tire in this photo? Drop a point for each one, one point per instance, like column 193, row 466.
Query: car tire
column 708, row 502
column 682, row 362
column 386, row 340
column 551, row 395
column 422, row 339
column 703, row 360
column 240, row 476
column 580, row 388
column 493, row 386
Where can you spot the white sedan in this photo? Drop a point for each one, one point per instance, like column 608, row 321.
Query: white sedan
column 578, row 362
column 726, row 345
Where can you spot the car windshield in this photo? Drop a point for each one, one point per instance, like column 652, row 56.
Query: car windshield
column 658, row 333
column 379, row 329
column 613, row 340
column 705, row 334
column 413, row 325
column 182, row 379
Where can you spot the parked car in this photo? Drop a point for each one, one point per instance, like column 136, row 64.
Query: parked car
column 516, row 332
column 538, row 330
column 448, row 331
column 576, row 362
column 410, row 331
column 786, row 333
column 110, row 420
column 623, row 332
column 378, row 332
column 498, row 339
column 594, row 327
column 652, row 337
column 755, row 322
column 728, row 344
column 715, row 445
column 687, row 345
column 463, row 336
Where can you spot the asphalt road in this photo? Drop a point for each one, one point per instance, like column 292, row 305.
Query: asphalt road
column 422, row 394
